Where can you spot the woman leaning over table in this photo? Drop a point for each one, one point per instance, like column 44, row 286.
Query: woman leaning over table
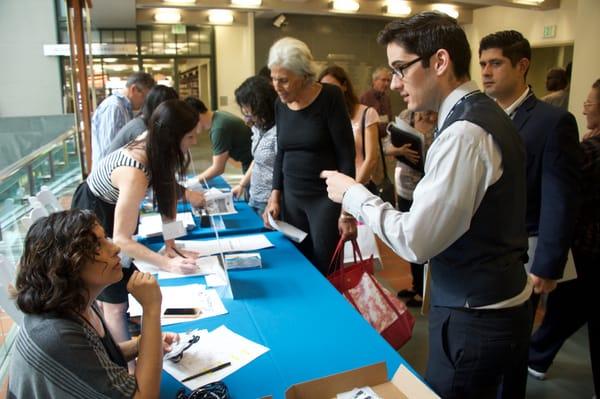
column 117, row 186
column 313, row 134
column 63, row 348
column 256, row 98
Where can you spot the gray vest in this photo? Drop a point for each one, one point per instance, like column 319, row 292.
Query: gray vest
column 485, row 265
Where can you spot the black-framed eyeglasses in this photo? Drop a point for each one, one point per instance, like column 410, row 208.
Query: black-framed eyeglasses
column 399, row 70
column 192, row 341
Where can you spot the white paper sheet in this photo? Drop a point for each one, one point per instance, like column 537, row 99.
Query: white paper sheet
column 152, row 225
column 288, row 230
column 184, row 296
column 228, row 244
column 218, row 202
column 206, row 265
column 217, row 347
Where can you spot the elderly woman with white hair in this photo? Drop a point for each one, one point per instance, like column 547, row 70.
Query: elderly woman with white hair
column 314, row 134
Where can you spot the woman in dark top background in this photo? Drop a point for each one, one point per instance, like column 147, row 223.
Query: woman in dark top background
column 313, row 134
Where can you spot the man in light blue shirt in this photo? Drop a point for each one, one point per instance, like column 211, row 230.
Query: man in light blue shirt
column 116, row 110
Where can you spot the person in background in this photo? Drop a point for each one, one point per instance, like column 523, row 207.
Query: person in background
column 553, row 156
column 313, row 133
column 406, row 179
column 378, row 97
column 116, row 110
column 256, row 97
column 229, row 137
column 138, row 125
column 64, row 348
column 566, row 310
column 480, row 318
column 556, row 84
column 117, row 186
column 364, row 126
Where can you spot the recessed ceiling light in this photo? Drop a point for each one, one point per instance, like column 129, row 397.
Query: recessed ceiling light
column 398, row 7
column 180, row 1
column 447, row 9
column 345, row 5
column 110, row 59
column 220, row 17
column 246, row 3
column 167, row 16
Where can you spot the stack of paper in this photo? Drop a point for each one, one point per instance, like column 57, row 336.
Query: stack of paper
column 195, row 296
column 226, row 245
column 219, row 202
column 221, row 350
column 206, row 265
column 152, row 225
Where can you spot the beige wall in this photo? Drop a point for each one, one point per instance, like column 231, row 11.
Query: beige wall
column 30, row 81
column 577, row 22
column 586, row 57
column 235, row 61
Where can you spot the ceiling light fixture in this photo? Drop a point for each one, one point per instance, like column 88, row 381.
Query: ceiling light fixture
column 246, row 3
column 180, row 1
column 167, row 16
column 220, row 17
column 397, row 7
column 345, row 5
column 447, row 9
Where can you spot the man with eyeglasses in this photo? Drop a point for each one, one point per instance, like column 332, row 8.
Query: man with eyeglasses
column 467, row 218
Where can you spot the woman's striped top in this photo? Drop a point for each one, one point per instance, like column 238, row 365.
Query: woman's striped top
column 99, row 180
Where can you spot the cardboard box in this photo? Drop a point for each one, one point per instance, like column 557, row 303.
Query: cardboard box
column 404, row 384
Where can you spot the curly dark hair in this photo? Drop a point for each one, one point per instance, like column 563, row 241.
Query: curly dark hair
column 258, row 94
column 57, row 247
column 425, row 33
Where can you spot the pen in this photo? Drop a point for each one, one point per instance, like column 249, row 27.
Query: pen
column 211, row 370
column 179, row 253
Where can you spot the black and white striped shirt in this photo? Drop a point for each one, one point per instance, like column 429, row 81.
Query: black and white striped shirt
column 99, row 180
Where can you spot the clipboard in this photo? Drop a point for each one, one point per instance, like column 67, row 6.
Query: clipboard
column 400, row 134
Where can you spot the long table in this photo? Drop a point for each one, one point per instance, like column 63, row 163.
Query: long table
column 288, row 306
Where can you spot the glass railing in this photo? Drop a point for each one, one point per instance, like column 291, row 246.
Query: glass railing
column 34, row 152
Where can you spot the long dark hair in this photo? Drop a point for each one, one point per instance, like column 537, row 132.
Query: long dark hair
column 258, row 94
column 57, row 247
column 169, row 122
column 156, row 95
column 341, row 76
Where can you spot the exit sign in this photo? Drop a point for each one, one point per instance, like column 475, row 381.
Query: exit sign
column 549, row 31
column 178, row 29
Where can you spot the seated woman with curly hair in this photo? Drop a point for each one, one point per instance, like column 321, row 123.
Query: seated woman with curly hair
column 64, row 349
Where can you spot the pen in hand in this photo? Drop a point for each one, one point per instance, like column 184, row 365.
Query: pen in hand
column 178, row 253
column 211, row 370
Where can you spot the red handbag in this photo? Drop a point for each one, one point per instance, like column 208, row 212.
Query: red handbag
column 384, row 312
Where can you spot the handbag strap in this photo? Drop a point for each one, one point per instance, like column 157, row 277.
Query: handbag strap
column 362, row 130
column 337, row 259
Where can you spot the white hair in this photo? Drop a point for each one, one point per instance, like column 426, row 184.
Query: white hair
column 379, row 70
column 292, row 54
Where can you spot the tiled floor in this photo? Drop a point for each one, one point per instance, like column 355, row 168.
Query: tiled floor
column 570, row 377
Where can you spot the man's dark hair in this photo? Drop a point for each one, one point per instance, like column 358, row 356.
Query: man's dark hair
column 57, row 248
column 196, row 104
column 425, row 33
column 156, row 95
column 556, row 79
column 258, row 95
column 141, row 80
column 512, row 43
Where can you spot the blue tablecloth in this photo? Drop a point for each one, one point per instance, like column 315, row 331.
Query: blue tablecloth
column 288, row 306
